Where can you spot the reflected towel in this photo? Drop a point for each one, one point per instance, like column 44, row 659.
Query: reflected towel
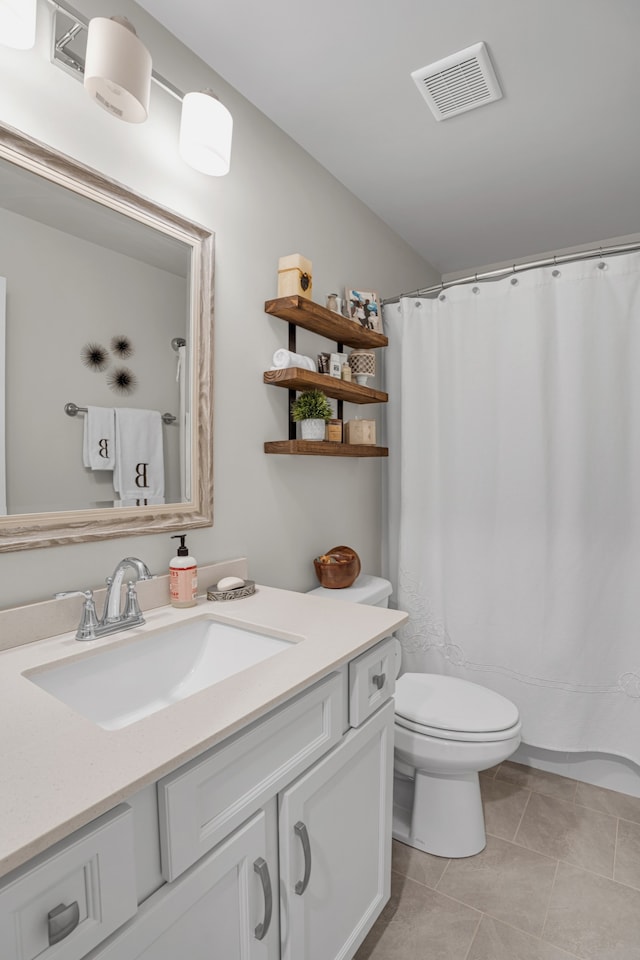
column 284, row 358
column 98, row 439
column 139, row 470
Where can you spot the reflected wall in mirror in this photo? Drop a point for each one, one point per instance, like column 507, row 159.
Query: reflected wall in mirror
column 85, row 262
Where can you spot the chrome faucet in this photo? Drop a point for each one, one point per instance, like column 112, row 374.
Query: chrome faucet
column 112, row 620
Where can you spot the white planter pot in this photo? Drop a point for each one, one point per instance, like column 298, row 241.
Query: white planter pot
column 312, row 429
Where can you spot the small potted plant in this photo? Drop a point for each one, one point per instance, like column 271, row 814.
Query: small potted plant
column 312, row 409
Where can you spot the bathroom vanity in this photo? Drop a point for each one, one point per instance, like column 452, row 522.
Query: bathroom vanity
column 251, row 819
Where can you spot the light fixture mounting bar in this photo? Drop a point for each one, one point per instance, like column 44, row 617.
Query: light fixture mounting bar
column 72, row 61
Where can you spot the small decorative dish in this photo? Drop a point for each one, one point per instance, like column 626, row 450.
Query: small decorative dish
column 246, row 590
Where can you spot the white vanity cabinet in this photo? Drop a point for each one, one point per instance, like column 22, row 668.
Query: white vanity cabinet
column 69, row 899
column 335, row 845
column 224, row 906
column 273, row 845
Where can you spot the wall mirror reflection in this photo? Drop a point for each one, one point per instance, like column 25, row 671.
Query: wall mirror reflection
column 106, row 301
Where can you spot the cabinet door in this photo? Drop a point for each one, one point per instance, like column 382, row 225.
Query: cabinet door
column 215, row 910
column 335, row 845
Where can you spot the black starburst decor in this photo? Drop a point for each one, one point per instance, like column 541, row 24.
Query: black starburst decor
column 122, row 380
column 121, row 346
column 94, row 356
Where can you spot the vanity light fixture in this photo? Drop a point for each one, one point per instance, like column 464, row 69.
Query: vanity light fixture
column 117, row 69
column 205, row 133
column 18, row 23
column 117, row 72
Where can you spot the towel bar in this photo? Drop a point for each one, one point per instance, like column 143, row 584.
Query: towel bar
column 72, row 410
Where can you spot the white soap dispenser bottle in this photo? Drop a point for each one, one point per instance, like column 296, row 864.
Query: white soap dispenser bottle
column 183, row 576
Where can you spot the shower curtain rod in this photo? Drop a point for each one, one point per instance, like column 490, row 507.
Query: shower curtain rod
column 518, row 268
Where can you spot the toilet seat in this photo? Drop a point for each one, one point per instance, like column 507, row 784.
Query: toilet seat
column 449, row 708
column 462, row 736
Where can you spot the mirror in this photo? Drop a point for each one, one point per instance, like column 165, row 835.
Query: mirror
column 107, row 301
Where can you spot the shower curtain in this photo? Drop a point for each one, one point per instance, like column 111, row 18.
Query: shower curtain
column 514, row 487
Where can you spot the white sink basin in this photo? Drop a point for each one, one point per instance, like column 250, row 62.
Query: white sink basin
column 117, row 687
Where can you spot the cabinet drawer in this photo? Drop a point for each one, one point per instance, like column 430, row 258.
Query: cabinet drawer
column 203, row 801
column 88, row 882
column 372, row 680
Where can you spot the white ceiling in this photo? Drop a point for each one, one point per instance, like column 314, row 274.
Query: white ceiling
column 554, row 164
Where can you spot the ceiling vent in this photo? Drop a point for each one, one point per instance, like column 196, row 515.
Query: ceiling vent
column 461, row 82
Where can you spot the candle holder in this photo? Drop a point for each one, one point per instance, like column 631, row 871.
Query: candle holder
column 363, row 365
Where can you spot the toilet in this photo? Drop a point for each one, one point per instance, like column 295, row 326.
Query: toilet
column 446, row 730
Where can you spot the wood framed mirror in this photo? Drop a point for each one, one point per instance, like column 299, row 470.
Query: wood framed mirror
column 88, row 263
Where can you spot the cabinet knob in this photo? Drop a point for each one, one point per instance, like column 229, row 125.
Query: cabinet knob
column 62, row 921
column 261, row 868
column 378, row 680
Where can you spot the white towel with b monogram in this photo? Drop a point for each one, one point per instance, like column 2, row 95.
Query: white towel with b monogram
column 98, row 439
column 138, row 475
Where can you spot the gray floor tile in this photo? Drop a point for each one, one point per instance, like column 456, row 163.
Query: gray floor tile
column 497, row 941
column 503, row 803
column 491, row 772
column 608, row 801
column 420, row 924
column 551, row 784
column 627, row 866
column 506, row 881
column 593, row 917
column 559, row 829
column 417, row 865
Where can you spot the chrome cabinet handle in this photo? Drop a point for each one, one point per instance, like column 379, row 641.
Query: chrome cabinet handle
column 62, row 920
column 379, row 679
column 261, row 868
column 301, row 831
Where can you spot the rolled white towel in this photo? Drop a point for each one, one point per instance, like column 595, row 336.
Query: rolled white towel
column 284, row 358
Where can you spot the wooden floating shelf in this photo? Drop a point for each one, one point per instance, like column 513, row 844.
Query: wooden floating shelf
column 297, row 378
column 324, row 448
column 305, row 313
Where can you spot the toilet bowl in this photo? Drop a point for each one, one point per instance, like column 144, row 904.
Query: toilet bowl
column 446, row 730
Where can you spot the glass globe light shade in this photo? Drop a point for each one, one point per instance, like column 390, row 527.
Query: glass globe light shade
column 206, row 128
column 18, row 23
column 117, row 72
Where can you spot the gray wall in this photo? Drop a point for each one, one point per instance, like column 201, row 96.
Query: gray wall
column 278, row 511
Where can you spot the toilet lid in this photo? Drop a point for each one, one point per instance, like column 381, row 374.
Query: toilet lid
column 450, row 704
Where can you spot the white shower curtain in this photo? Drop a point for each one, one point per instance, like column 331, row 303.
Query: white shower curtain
column 514, row 487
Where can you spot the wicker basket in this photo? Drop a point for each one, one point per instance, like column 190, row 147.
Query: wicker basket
column 338, row 568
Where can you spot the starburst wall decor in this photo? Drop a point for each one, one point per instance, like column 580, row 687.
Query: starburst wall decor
column 94, row 356
column 122, row 380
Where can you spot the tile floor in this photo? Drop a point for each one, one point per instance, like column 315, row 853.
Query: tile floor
column 559, row 879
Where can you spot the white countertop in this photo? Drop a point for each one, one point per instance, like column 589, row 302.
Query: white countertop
column 59, row 770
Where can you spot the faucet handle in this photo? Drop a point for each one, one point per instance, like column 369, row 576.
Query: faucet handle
column 87, row 594
column 132, row 609
column 89, row 619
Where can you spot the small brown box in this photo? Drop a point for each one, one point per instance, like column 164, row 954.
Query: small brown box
column 295, row 277
column 333, row 431
column 360, row 431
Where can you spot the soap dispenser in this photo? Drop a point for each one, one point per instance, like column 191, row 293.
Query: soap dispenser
column 183, row 576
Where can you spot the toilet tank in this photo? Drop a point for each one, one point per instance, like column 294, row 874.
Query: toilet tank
column 373, row 591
